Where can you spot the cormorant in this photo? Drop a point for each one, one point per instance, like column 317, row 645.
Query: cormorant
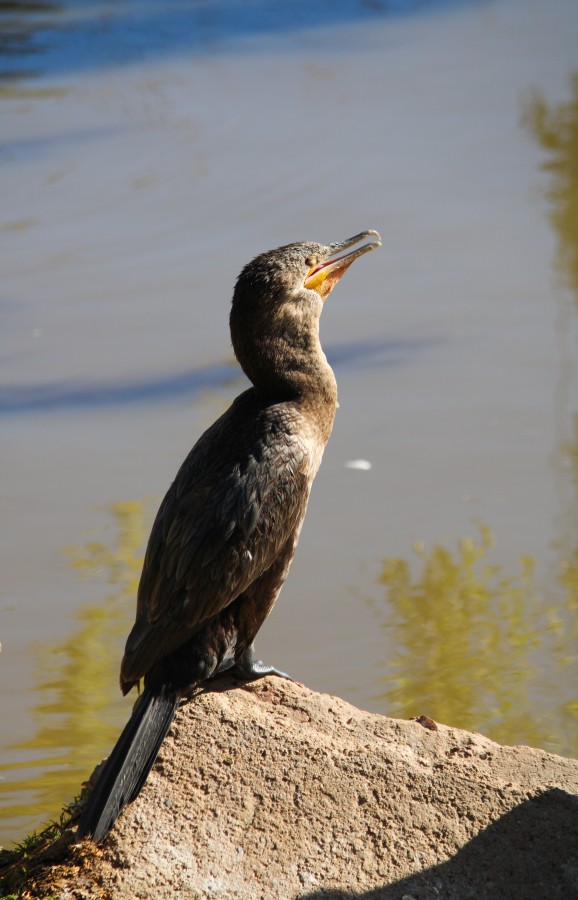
column 225, row 534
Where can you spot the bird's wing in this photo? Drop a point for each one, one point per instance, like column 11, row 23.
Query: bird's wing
column 221, row 525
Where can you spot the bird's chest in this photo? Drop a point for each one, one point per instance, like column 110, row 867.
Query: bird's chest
column 314, row 434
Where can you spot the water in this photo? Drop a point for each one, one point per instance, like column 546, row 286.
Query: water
column 148, row 151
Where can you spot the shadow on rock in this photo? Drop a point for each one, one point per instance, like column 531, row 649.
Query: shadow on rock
column 531, row 853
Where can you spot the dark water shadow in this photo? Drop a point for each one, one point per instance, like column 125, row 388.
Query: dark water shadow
column 72, row 396
column 44, row 38
column 530, row 853
column 68, row 396
column 25, row 149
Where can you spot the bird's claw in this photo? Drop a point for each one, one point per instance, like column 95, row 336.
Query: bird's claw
column 256, row 669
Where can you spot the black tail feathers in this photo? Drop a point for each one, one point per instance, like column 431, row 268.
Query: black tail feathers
column 129, row 764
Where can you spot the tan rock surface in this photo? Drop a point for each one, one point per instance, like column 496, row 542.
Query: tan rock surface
column 272, row 791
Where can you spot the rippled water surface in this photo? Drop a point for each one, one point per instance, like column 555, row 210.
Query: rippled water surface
column 148, row 150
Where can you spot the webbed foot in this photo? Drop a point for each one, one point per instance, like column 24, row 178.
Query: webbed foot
column 247, row 668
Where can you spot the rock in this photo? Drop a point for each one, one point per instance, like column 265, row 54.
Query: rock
column 271, row 792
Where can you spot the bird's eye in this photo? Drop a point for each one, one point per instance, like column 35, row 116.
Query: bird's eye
column 311, row 261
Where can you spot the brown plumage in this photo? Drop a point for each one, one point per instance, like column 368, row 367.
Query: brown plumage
column 225, row 534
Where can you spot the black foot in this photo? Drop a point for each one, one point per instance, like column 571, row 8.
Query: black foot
column 247, row 668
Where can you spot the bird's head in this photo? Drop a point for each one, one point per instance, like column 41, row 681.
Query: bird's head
column 289, row 271
column 278, row 300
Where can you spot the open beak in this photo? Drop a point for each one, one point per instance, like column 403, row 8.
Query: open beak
column 325, row 273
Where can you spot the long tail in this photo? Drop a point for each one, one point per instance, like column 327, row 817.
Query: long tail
column 129, row 764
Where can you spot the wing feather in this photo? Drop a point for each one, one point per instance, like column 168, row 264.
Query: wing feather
column 224, row 520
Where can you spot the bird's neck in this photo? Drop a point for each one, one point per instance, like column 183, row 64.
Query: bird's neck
column 290, row 365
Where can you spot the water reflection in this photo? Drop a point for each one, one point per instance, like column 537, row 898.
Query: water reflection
column 20, row 24
column 479, row 647
column 476, row 647
column 77, row 714
column 39, row 38
column 468, row 641
column 555, row 128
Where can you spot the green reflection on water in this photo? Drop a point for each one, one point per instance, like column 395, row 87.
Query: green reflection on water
column 77, row 714
column 555, row 128
column 471, row 643
column 475, row 647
